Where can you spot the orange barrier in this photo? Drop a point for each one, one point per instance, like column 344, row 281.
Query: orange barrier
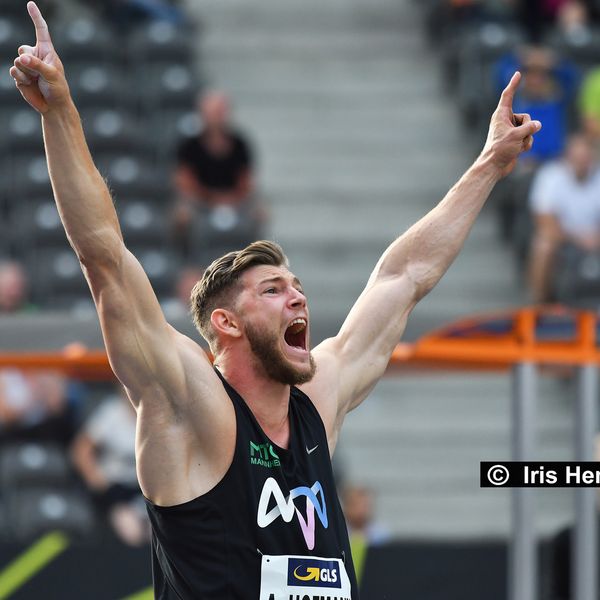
column 490, row 342
column 468, row 344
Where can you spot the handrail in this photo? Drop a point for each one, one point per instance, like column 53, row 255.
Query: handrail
column 544, row 335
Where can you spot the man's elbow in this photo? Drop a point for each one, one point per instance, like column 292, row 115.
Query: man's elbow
column 100, row 249
column 418, row 280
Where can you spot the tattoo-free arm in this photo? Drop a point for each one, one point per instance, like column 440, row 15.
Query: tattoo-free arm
column 354, row 360
column 141, row 345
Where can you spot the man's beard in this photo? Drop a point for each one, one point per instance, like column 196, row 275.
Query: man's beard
column 265, row 346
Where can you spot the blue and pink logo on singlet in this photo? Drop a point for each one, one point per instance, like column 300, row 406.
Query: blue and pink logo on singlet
column 287, row 509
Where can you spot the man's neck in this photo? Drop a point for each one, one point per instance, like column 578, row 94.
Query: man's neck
column 268, row 400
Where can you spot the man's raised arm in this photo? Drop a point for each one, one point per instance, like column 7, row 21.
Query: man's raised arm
column 140, row 343
column 411, row 266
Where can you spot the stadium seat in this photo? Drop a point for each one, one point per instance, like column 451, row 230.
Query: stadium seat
column 24, row 131
column 160, row 266
column 582, row 46
column 30, row 178
column 35, row 222
column 33, row 512
column 143, row 222
column 5, row 245
column 576, row 277
column 477, row 53
column 129, row 176
column 115, row 131
column 9, row 95
column 12, row 35
column 99, row 85
column 169, row 127
column 33, row 463
column 167, row 85
column 161, row 39
column 56, row 277
column 16, row 10
column 87, row 40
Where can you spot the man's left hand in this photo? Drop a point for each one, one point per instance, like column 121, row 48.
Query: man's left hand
column 509, row 134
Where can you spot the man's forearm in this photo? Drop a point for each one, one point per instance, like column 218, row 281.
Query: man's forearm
column 82, row 197
column 428, row 248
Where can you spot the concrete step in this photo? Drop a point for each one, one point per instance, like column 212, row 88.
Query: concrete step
column 331, row 173
column 289, row 45
column 341, row 188
column 279, row 88
column 443, row 515
column 336, row 15
column 386, row 116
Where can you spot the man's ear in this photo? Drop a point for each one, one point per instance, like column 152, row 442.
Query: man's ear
column 225, row 323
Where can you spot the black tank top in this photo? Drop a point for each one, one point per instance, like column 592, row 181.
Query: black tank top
column 271, row 529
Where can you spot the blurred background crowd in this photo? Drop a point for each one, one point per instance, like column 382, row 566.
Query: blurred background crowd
column 548, row 210
column 185, row 176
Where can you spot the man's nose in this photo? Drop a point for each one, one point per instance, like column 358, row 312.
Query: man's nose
column 297, row 298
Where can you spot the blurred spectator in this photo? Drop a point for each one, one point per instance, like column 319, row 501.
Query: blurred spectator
column 126, row 14
column 565, row 201
column 13, row 289
column 538, row 16
column 104, row 454
column 358, row 503
column 573, row 19
column 589, row 103
column 547, row 88
column 214, row 179
column 37, row 406
column 179, row 304
column 549, row 84
column 450, row 17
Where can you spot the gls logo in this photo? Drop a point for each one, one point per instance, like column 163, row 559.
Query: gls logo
column 314, row 573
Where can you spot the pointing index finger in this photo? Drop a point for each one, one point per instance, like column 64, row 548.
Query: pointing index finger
column 41, row 28
column 506, row 100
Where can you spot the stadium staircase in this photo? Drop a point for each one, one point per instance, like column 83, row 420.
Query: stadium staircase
column 356, row 141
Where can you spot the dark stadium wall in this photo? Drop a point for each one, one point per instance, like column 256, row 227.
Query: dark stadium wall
column 400, row 570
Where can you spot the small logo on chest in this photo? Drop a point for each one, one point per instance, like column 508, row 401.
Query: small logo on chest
column 264, row 455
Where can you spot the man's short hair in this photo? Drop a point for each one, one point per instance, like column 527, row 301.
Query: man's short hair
column 221, row 280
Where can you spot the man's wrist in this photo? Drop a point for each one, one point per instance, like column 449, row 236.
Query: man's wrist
column 486, row 166
column 59, row 110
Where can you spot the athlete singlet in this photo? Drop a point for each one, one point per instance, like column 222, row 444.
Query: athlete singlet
column 271, row 529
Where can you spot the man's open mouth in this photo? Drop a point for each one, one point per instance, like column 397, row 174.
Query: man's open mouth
column 295, row 334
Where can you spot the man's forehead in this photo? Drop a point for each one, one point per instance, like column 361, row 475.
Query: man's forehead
column 259, row 273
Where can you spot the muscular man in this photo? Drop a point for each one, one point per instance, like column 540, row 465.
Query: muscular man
column 234, row 459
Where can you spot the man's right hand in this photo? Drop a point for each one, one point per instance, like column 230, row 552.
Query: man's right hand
column 38, row 72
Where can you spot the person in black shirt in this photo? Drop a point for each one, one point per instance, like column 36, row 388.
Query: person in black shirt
column 217, row 205
column 234, row 459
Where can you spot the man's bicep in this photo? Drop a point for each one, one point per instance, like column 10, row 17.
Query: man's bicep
column 369, row 335
column 141, row 345
column 350, row 364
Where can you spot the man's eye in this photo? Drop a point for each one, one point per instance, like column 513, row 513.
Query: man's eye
column 270, row 291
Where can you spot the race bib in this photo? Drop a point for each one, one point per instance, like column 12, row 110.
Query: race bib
column 303, row 578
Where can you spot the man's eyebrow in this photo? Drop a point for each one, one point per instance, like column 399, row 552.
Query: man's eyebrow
column 279, row 278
